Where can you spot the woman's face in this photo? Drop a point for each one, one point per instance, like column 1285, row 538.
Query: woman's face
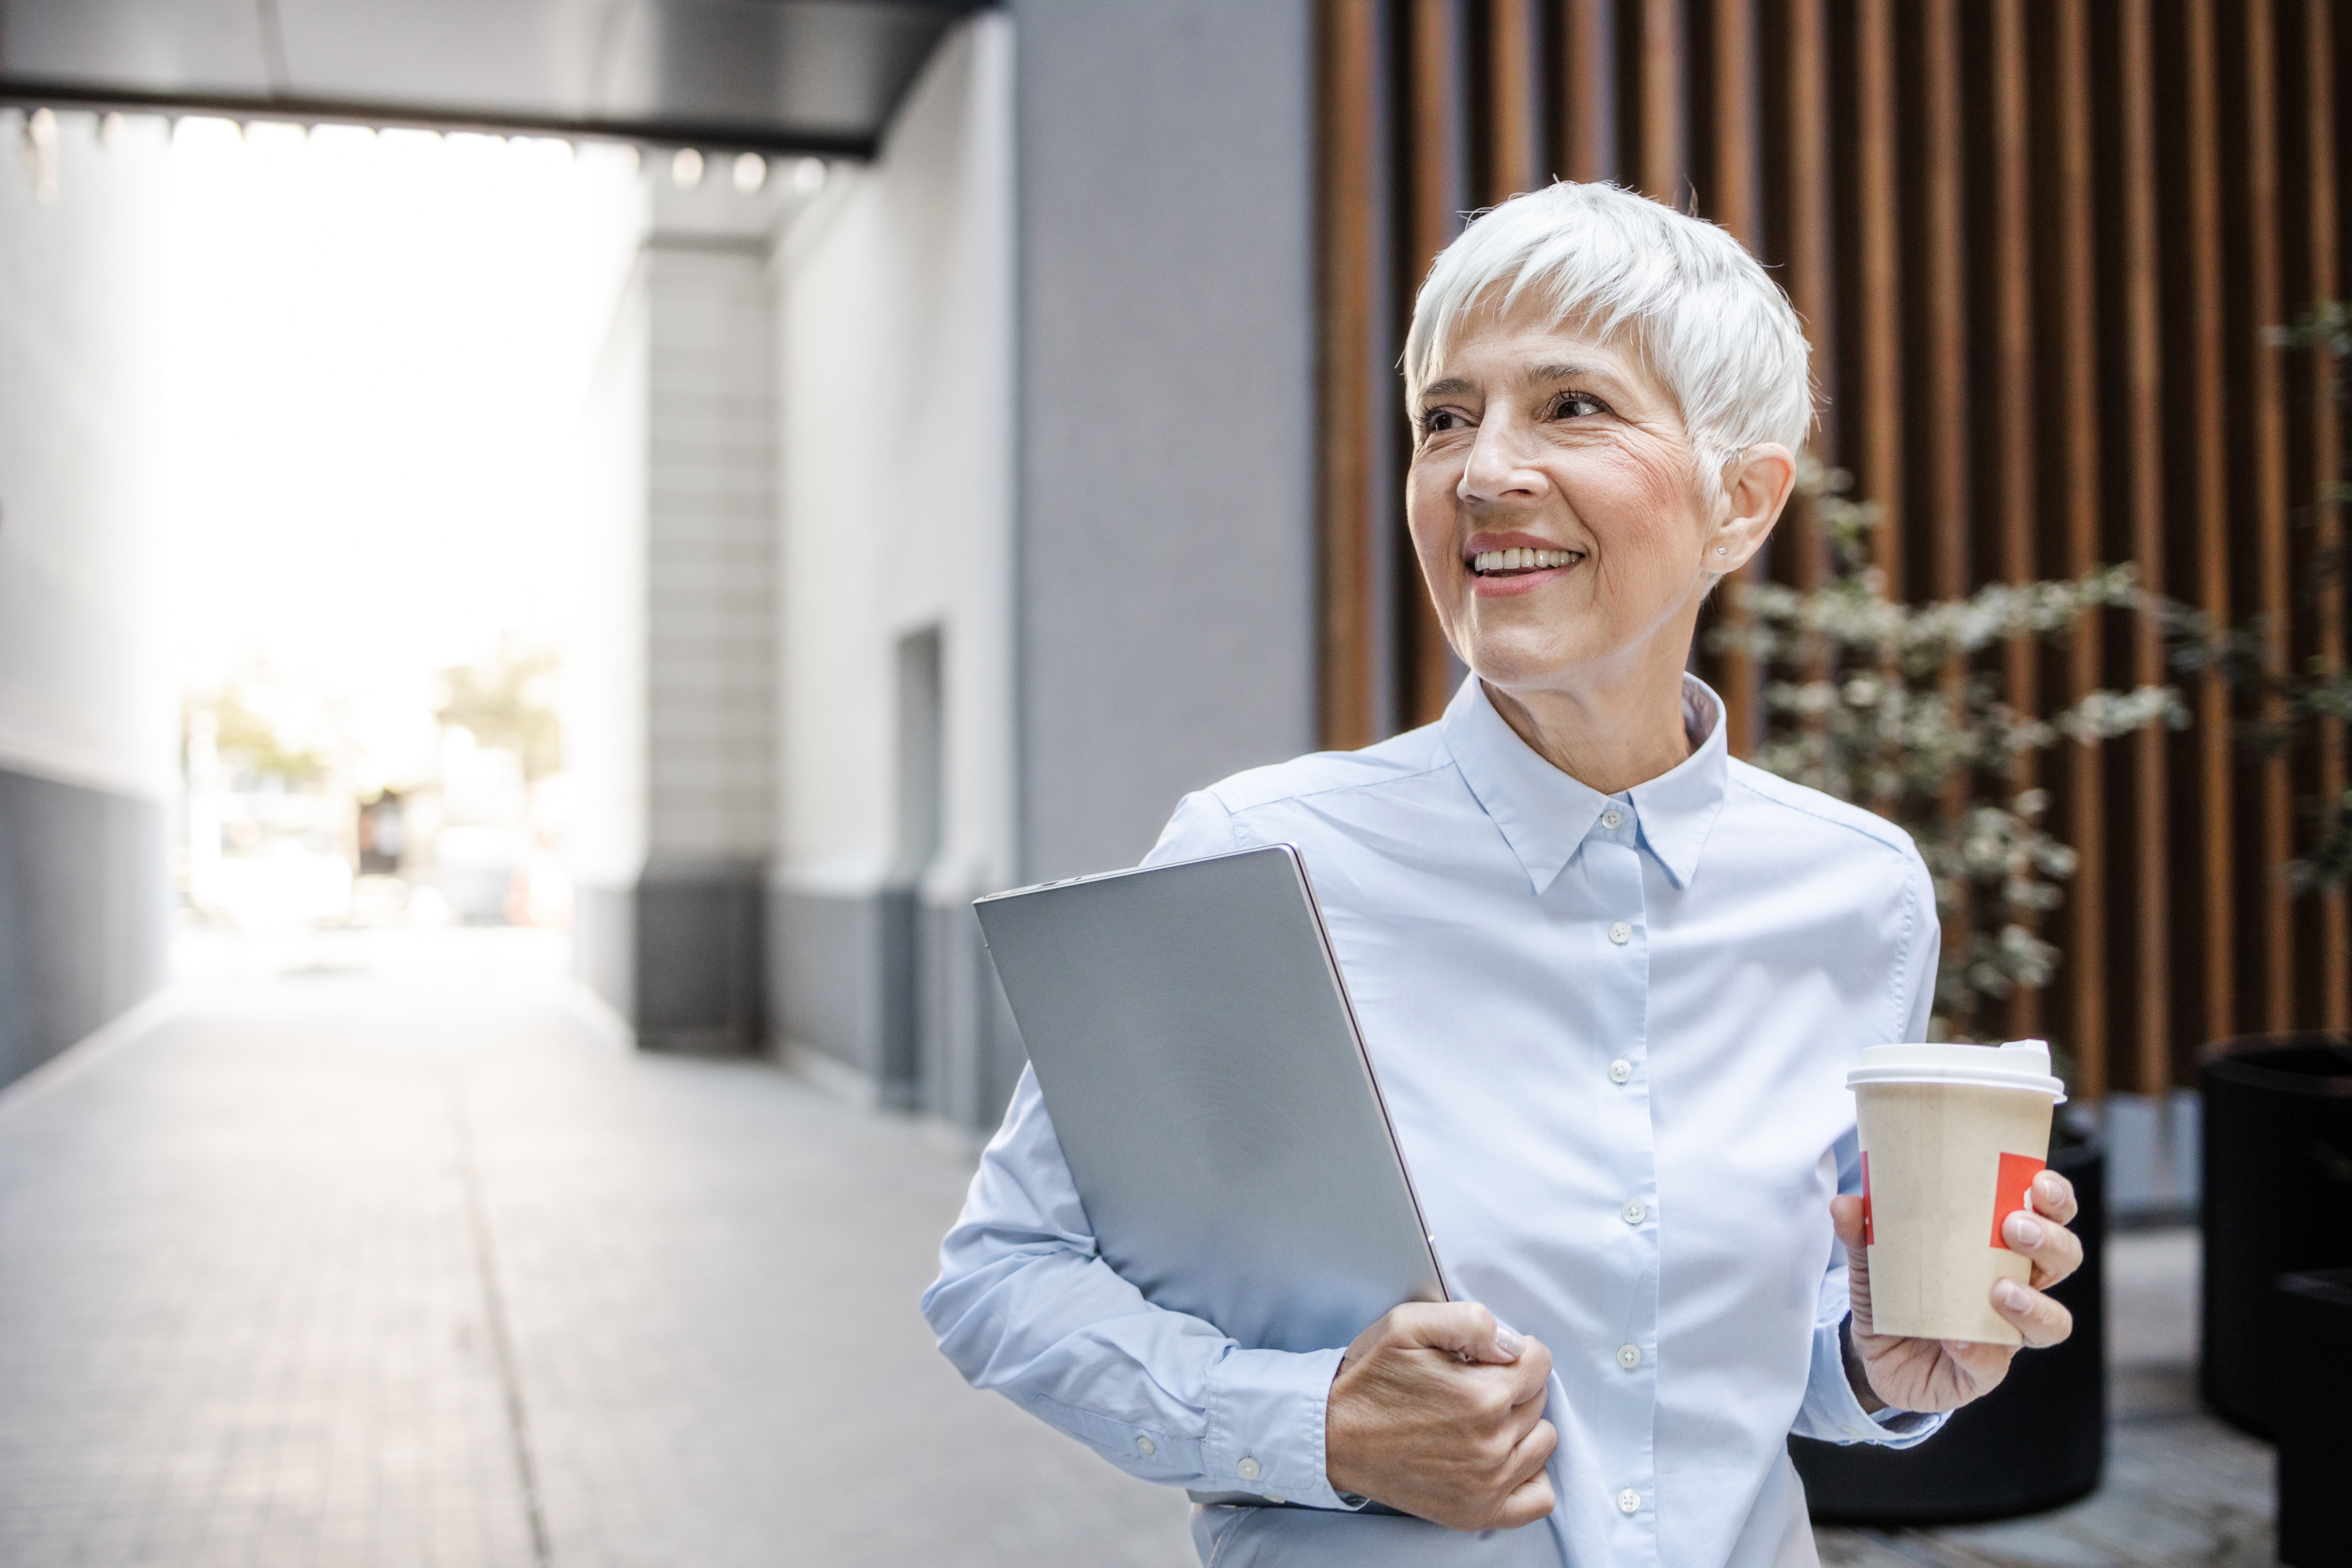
column 1560, row 523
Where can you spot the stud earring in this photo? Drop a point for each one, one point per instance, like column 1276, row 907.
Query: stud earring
column 1723, row 550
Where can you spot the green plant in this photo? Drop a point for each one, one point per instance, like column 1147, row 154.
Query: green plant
column 1883, row 704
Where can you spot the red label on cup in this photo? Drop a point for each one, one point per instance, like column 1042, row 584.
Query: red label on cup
column 1869, row 1232
column 2017, row 1173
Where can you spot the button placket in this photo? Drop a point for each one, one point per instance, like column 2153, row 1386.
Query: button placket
column 1626, row 1406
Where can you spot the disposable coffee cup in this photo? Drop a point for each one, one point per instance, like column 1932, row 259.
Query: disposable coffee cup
column 1952, row 1137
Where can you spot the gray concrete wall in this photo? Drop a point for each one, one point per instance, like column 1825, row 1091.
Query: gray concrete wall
column 82, row 912
column 1166, row 558
column 896, row 452
column 678, row 736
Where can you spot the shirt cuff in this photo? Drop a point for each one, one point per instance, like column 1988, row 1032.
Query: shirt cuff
column 1833, row 1410
column 1266, row 1416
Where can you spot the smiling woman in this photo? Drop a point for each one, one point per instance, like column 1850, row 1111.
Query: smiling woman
column 1611, row 977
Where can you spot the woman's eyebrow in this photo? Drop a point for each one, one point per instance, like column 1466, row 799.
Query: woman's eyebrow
column 1544, row 372
column 1451, row 386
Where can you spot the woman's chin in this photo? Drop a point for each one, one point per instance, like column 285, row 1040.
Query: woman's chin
column 1515, row 664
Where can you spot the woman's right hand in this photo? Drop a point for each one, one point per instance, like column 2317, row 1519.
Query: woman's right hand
column 1437, row 1411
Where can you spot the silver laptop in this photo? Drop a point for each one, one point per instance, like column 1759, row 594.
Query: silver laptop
column 1196, row 1048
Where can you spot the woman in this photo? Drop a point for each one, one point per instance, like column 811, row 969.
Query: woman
column 1611, row 978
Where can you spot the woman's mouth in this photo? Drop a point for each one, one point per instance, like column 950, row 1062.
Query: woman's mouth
column 1511, row 563
column 1503, row 573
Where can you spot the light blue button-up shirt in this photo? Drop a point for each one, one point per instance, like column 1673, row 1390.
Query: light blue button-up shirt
column 1612, row 1033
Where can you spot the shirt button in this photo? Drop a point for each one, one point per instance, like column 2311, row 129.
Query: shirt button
column 1629, row 1356
column 1628, row 1500
column 1145, row 1446
column 1248, row 1467
column 1621, row 933
column 1633, row 1211
column 1612, row 817
column 1621, row 1071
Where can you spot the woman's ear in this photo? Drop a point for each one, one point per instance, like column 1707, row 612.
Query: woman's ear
column 1755, row 487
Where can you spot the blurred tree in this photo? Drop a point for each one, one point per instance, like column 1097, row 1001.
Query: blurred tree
column 509, row 700
column 248, row 740
column 2304, row 709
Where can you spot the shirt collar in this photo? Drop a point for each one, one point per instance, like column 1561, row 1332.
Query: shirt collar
column 1544, row 815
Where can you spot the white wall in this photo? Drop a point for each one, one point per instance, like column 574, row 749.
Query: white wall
column 604, row 688
column 896, row 460
column 86, row 695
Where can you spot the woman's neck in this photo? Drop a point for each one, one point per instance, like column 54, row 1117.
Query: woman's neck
column 1608, row 737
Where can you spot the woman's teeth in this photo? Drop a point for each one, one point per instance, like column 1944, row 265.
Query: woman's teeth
column 1487, row 560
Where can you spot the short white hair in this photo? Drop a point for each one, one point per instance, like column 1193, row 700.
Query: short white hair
column 1707, row 320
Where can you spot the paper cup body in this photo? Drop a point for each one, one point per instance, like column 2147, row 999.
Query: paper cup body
column 1946, row 1157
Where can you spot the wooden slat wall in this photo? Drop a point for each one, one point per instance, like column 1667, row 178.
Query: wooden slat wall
column 2036, row 244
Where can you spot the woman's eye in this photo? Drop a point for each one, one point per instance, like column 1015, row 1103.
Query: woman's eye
column 1576, row 405
column 1438, row 421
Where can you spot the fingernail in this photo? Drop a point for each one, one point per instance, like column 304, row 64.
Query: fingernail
column 2013, row 1295
column 2024, row 1229
column 1508, row 1342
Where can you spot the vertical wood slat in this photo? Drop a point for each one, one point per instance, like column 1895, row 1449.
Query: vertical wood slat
column 1943, row 297
column 2319, row 45
column 1352, row 383
column 2013, row 459
column 1877, row 295
column 1662, row 167
column 1930, row 369
column 1438, row 124
column 1804, row 242
column 1587, row 112
column 2144, row 467
column 2076, row 377
column 1514, row 123
column 2259, row 183
column 2209, row 500
column 1736, row 203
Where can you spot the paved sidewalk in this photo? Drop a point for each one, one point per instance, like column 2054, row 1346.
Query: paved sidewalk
column 418, row 1267
column 253, row 1264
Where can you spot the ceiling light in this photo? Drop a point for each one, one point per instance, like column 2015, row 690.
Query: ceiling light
column 808, row 177
column 751, row 172
column 686, row 169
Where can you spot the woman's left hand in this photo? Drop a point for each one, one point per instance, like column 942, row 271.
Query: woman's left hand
column 1944, row 1374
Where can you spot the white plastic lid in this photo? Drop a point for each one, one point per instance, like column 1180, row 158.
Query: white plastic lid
column 2018, row 1064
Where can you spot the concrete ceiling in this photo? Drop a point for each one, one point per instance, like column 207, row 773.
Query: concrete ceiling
column 792, row 76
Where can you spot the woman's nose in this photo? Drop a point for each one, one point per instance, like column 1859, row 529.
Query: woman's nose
column 1498, row 468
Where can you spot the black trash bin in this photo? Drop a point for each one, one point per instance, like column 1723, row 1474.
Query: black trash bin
column 2277, row 1200
column 2037, row 1441
column 2314, row 1464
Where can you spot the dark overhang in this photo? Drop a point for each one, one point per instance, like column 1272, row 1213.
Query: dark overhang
column 769, row 76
